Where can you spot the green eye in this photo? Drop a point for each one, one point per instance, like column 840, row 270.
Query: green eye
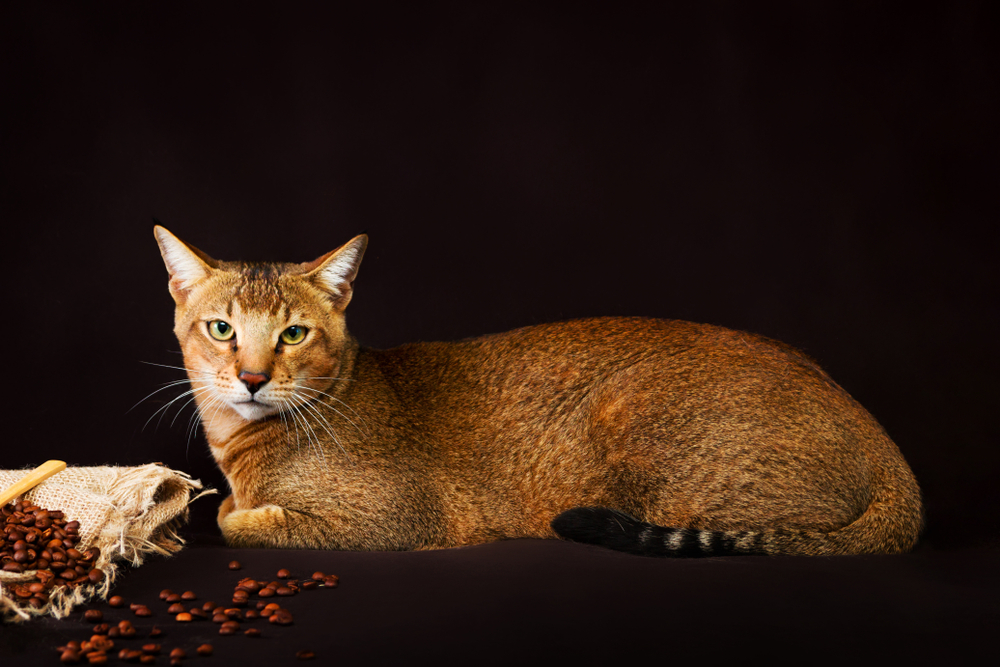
column 220, row 330
column 293, row 335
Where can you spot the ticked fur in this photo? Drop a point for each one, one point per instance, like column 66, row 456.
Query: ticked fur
column 650, row 436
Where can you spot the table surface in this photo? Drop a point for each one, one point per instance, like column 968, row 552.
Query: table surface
column 563, row 602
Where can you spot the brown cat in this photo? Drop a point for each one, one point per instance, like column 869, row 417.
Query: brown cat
column 648, row 436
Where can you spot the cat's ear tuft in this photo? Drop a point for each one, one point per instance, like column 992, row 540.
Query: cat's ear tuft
column 186, row 264
column 335, row 271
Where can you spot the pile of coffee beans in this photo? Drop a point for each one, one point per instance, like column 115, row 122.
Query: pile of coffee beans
column 250, row 605
column 43, row 540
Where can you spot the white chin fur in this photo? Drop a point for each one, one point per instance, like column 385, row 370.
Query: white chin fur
column 254, row 411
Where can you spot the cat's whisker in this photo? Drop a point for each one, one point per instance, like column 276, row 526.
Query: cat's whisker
column 168, row 385
column 295, row 424
column 162, row 410
column 313, row 437
column 324, row 422
column 179, row 368
column 362, row 433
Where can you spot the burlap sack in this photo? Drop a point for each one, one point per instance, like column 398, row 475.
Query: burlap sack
column 128, row 513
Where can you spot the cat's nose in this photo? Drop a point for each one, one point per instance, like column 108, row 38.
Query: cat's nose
column 253, row 381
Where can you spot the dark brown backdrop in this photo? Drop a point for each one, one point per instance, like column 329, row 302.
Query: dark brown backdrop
column 818, row 173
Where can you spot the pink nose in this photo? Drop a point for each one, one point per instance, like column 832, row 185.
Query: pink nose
column 253, row 381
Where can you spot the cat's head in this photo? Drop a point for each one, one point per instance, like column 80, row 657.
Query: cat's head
column 259, row 338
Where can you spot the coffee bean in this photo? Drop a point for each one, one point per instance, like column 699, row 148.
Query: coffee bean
column 331, row 582
column 165, row 593
column 155, row 632
column 97, row 658
column 251, row 614
column 101, row 629
column 70, row 657
column 252, row 632
column 310, row 585
column 116, row 601
column 183, row 617
column 205, row 649
column 93, row 615
column 266, row 592
column 209, row 606
column 234, row 565
column 173, row 597
column 318, row 576
column 176, row 608
column 151, row 649
column 178, row 653
column 143, row 612
column 281, row 617
column 147, row 659
column 188, row 595
column 284, row 574
column 305, row 655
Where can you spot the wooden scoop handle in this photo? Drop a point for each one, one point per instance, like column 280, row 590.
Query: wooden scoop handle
column 31, row 480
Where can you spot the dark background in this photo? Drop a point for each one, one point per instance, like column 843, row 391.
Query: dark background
column 820, row 173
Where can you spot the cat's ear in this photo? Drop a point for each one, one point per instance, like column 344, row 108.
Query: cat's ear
column 335, row 271
column 186, row 264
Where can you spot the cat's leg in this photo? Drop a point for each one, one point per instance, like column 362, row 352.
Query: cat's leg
column 274, row 527
column 227, row 506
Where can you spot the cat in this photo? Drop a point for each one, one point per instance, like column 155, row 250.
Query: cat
column 653, row 437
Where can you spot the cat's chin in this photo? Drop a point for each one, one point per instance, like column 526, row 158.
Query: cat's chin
column 254, row 410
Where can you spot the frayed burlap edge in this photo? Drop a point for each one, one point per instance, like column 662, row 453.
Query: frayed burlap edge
column 139, row 511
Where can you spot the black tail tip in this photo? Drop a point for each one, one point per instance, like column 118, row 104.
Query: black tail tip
column 594, row 525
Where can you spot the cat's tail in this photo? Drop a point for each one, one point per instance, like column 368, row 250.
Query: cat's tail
column 888, row 525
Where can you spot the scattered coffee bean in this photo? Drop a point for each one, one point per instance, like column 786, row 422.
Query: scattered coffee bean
column 116, row 601
column 155, row 632
column 165, row 593
column 318, row 576
column 101, row 629
column 281, row 617
column 70, row 657
column 252, row 632
column 205, row 649
column 284, row 574
column 93, row 615
column 284, row 591
column 310, row 585
column 178, row 653
column 188, row 595
column 143, row 611
column 266, row 592
column 305, row 655
column 331, row 581
column 234, row 565
column 251, row 614
column 97, row 658
column 176, row 608
column 209, row 606
column 151, row 649
column 147, row 659
column 183, row 617
column 173, row 597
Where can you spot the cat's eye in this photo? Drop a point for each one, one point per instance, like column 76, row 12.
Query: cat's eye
column 220, row 330
column 293, row 335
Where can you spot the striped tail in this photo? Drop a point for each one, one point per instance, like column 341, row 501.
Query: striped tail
column 616, row 530
column 884, row 528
